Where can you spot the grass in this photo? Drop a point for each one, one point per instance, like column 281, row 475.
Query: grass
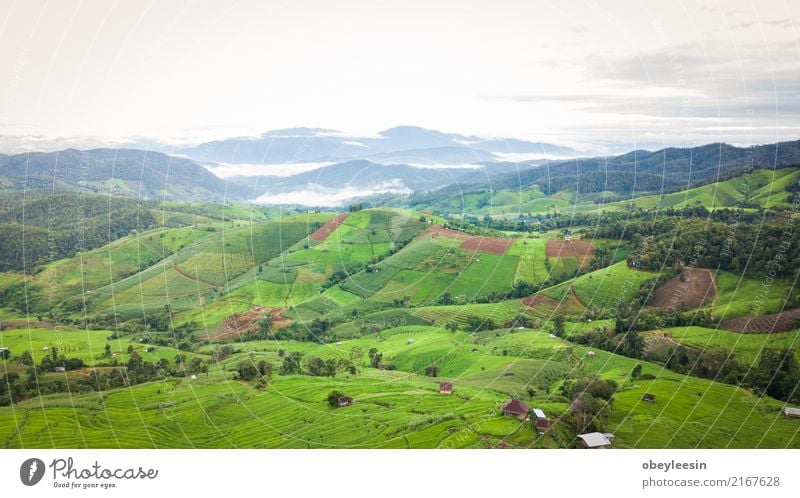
column 745, row 347
column 200, row 272
column 736, row 295
column 87, row 345
column 604, row 289
column 532, row 256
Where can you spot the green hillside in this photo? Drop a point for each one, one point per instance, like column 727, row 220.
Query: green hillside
column 221, row 325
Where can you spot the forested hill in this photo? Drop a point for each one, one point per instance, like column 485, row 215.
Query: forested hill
column 128, row 172
column 640, row 172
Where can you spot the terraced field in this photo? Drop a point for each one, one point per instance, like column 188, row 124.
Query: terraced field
column 604, row 289
column 382, row 305
column 401, row 408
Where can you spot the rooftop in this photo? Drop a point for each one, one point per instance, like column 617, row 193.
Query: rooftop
column 595, row 439
column 515, row 406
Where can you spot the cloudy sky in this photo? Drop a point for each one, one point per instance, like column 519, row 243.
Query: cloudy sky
column 578, row 72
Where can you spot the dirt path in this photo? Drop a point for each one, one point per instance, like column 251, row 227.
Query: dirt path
column 192, row 277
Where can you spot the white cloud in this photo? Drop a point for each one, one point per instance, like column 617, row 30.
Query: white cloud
column 317, row 195
column 230, row 170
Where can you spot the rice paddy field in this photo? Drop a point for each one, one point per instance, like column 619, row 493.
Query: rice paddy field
column 433, row 302
column 402, row 408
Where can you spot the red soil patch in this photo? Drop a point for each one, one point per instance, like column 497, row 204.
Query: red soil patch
column 689, row 290
column 573, row 299
column 471, row 242
column 775, row 322
column 488, row 244
column 246, row 322
column 581, row 250
column 328, row 228
column 437, row 230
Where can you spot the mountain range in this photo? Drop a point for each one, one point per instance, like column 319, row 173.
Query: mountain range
column 411, row 144
column 405, row 160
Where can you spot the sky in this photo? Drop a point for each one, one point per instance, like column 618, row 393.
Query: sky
column 574, row 73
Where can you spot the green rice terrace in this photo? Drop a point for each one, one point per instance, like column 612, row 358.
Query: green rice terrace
column 392, row 327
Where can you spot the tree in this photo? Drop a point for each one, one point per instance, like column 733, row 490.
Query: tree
column 375, row 358
column 265, row 326
column 107, row 350
column 247, row 370
column 135, row 361
column 637, row 371
column 197, row 365
column 333, row 398
column 432, row 370
column 291, row 364
column 25, row 358
column 632, row 344
column 265, row 369
column 321, row 368
column 558, row 325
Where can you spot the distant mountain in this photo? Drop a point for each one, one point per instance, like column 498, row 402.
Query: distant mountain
column 435, row 156
column 514, row 146
column 365, row 174
column 300, row 145
column 637, row 172
column 128, row 172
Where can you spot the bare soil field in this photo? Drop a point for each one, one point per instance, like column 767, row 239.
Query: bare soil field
column 488, row 244
column 581, row 250
column 328, row 228
column 437, row 230
column 689, row 290
column 246, row 322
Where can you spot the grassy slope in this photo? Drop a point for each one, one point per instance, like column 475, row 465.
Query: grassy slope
column 402, row 409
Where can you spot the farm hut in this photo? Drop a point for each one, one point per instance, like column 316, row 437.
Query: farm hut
column 542, row 423
column 515, row 408
column 345, row 401
column 410, row 341
column 590, row 354
column 4, row 353
column 650, row 398
column 594, row 440
column 60, row 369
column 45, row 348
column 445, row 388
column 194, row 377
column 790, row 412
